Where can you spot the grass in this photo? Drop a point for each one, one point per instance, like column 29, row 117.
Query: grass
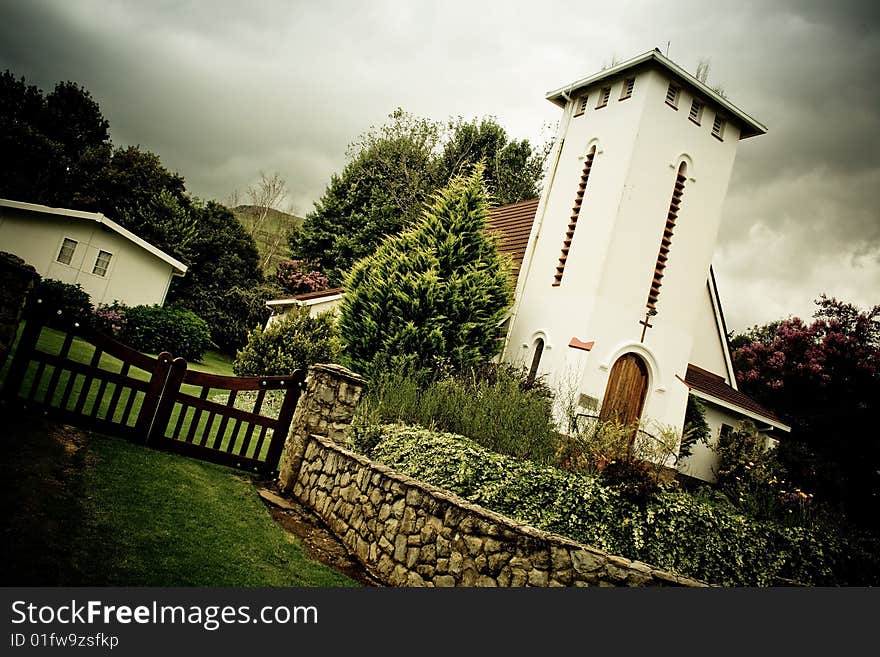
column 90, row 510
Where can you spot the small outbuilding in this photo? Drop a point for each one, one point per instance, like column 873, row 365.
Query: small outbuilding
column 110, row 262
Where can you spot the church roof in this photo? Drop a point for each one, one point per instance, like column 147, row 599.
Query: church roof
column 749, row 126
column 715, row 388
column 513, row 224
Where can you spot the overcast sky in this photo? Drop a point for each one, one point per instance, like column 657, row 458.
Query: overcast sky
column 222, row 90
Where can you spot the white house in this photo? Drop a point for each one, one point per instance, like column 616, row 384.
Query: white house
column 615, row 299
column 108, row 261
column 316, row 302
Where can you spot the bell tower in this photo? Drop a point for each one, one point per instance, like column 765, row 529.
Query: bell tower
column 615, row 272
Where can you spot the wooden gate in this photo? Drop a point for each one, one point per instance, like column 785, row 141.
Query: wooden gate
column 94, row 382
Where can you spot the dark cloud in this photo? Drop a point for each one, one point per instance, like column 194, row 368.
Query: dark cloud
column 222, row 90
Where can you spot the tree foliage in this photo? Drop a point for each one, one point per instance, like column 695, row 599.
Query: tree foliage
column 224, row 284
column 432, row 297
column 392, row 172
column 57, row 151
column 824, row 378
column 513, row 168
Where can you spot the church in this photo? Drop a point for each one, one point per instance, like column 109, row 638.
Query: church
column 616, row 303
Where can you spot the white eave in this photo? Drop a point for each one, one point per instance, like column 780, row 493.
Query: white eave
column 759, row 417
column 749, row 126
column 97, row 217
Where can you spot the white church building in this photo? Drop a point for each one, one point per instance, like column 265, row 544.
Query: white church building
column 615, row 296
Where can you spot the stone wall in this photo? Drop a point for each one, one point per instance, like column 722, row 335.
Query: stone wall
column 16, row 280
column 409, row 533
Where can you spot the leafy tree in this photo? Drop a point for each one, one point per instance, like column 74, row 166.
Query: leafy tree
column 224, row 284
column 393, row 171
column 432, row 297
column 42, row 138
column 824, row 378
column 165, row 221
column 513, row 169
column 390, row 174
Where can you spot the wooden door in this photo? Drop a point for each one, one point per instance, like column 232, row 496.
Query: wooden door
column 626, row 391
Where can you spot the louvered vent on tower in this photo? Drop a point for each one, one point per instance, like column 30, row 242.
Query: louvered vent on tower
column 575, row 211
column 666, row 241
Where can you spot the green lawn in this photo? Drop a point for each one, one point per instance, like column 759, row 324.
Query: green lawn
column 86, row 509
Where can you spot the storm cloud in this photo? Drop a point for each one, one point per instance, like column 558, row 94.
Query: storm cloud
column 223, row 90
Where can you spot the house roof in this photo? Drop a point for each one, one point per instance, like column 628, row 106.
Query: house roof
column 97, row 217
column 513, row 224
column 307, row 298
column 749, row 126
column 714, row 388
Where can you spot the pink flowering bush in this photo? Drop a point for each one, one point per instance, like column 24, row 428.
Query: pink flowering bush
column 111, row 319
column 823, row 378
column 299, row 277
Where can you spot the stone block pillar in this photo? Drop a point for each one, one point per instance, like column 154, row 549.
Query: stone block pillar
column 16, row 280
column 326, row 407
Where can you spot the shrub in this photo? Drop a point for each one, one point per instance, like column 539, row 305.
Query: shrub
column 701, row 537
column 60, row 304
column 166, row 328
column 294, row 342
column 696, row 429
column 494, row 405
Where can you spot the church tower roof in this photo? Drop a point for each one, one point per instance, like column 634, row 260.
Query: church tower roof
column 750, row 127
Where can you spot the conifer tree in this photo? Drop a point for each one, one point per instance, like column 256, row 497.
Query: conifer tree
column 431, row 298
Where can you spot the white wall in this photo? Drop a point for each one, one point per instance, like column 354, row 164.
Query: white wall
column 315, row 306
column 708, row 350
column 135, row 276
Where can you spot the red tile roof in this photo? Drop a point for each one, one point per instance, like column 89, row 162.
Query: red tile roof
column 513, row 224
column 715, row 385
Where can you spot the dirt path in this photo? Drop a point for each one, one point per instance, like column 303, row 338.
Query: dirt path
column 317, row 540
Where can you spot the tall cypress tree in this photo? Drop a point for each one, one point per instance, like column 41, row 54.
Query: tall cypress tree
column 432, row 297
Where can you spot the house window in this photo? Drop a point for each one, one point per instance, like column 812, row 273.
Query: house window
column 102, row 263
column 696, row 113
column 581, row 106
column 604, row 95
column 672, row 94
column 666, row 240
column 718, row 128
column 575, row 211
column 536, row 360
column 627, row 91
column 65, row 255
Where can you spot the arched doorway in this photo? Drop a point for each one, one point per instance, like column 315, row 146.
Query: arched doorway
column 626, row 391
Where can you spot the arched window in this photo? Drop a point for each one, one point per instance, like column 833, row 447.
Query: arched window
column 666, row 241
column 575, row 211
column 536, row 359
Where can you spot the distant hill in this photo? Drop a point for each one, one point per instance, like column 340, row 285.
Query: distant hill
column 271, row 237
